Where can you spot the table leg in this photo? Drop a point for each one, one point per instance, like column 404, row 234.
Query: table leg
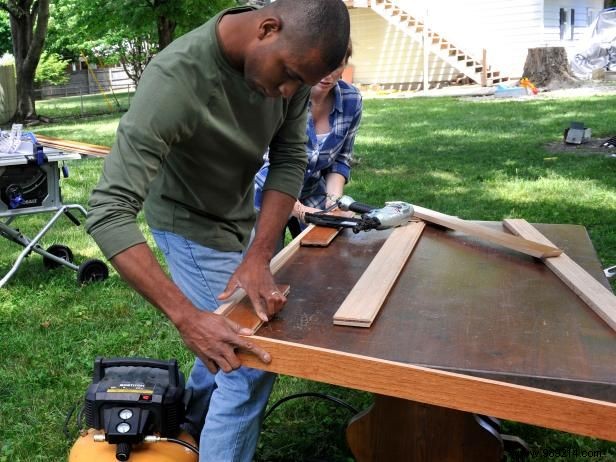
column 395, row 429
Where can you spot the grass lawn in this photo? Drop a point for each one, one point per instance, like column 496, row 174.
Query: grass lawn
column 82, row 105
column 477, row 159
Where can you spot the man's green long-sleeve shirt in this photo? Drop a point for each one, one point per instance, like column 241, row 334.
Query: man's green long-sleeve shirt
column 190, row 146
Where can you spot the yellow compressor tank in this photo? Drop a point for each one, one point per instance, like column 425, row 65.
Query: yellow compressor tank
column 86, row 449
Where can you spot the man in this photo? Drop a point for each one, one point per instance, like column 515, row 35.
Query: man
column 206, row 109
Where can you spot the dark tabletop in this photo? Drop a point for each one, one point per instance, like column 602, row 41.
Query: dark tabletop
column 460, row 304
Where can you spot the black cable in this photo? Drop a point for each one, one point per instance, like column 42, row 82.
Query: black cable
column 183, row 443
column 69, row 414
column 312, row 395
column 80, row 417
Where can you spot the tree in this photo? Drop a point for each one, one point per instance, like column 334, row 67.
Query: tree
column 51, row 70
column 129, row 32
column 548, row 67
column 6, row 45
column 29, row 20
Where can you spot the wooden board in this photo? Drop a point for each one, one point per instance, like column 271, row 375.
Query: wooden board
column 519, row 244
column 244, row 314
column 364, row 301
column 598, row 297
column 322, row 236
column 277, row 262
column 76, row 146
column 456, row 391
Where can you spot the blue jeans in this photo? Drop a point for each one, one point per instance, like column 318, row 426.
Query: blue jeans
column 231, row 403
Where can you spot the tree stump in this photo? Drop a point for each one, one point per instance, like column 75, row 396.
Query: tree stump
column 549, row 67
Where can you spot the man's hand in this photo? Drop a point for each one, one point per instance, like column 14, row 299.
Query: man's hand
column 211, row 337
column 254, row 274
column 214, row 339
column 255, row 277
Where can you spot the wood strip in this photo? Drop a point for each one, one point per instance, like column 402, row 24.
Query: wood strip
column 244, row 313
column 506, row 240
column 456, row 391
column 321, row 236
column 365, row 299
column 596, row 295
column 71, row 143
column 277, row 262
column 86, row 148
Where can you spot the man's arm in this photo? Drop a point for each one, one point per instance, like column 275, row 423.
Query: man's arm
column 211, row 337
column 253, row 274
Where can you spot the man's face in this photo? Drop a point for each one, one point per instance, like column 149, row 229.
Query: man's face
column 275, row 70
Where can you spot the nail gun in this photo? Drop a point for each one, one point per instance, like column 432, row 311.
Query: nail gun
column 393, row 214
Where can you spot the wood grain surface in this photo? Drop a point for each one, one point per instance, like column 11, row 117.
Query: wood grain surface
column 277, row 262
column 461, row 305
column 497, row 237
column 75, row 146
column 244, row 314
column 320, row 236
column 364, row 301
column 597, row 296
column 466, row 393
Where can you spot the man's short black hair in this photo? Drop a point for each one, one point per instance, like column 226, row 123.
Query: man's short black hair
column 320, row 24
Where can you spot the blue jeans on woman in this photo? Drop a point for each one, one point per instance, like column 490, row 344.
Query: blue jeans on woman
column 231, row 403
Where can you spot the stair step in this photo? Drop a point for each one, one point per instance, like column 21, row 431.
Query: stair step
column 470, row 67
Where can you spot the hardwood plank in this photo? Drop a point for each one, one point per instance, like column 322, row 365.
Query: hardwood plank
column 497, row 237
column 82, row 148
column 322, row 236
column 277, row 262
column 364, row 301
column 244, row 314
column 596, row 295
column 533, row 406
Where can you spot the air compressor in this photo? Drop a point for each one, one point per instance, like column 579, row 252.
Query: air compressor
column 134, row 409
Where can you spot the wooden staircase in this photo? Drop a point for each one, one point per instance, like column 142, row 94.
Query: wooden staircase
column 467, row 65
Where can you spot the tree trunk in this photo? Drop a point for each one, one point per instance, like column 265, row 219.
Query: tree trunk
column 166, row 27
column 28, row 30
column 548, row 67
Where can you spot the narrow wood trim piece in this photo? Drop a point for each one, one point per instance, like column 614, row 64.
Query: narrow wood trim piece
column 77, row 146
column 497, row 237
column 243, row 312
column 320, row 236
column 456, row 391
column 597, row 296
column 277, row 262
column 365, row 299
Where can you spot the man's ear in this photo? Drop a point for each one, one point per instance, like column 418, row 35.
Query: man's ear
column 268, row 26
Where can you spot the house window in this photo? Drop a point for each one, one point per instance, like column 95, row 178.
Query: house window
column 567, row 21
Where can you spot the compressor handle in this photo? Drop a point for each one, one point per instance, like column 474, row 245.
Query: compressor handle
column 100, row 364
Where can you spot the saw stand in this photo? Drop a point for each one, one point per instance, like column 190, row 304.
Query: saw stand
column 30, row 184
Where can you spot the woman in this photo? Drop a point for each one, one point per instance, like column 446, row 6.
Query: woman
column 334, row 113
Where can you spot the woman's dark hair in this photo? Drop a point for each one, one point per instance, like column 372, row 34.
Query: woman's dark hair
column 348, row 53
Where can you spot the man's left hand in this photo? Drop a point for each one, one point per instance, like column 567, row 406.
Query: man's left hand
column 254, row 276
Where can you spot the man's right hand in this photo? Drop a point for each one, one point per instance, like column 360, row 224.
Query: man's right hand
column 211, row 337
column 214, row 339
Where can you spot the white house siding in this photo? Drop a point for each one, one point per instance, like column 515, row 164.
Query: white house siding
column 383, row 54
column 506, row 29
column 583, row 9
